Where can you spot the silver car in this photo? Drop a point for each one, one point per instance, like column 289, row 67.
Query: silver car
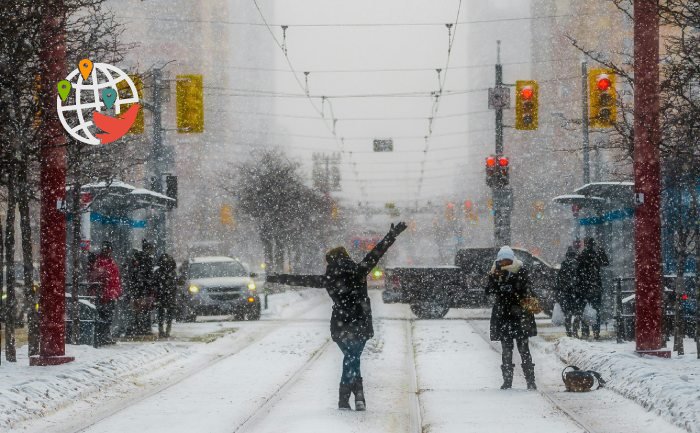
column 217, row 285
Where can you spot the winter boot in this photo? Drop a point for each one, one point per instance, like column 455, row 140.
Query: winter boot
column 529, row 372
column 507, row 370
column 359, row 394
column 344, row 396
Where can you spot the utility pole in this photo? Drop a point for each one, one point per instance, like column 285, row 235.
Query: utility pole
column 647, row 181
column 584, row 124
column 52, row 300
column 159, row 161
column 502, row 194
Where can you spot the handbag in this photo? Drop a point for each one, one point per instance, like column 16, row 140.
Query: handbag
column 531, row 305
column 578, row 380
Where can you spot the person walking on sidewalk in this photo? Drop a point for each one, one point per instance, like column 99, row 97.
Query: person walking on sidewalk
column 590, row 262
column 509, row 282
column 106, row 272
column 351, row 320
column 165, row 279
column 568, row 293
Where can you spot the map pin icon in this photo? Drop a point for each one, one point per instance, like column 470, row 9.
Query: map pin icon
column 109, row 96
column 85, row 67
column 64, row 88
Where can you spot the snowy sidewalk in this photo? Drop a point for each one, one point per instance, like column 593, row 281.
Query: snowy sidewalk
column 668, row 387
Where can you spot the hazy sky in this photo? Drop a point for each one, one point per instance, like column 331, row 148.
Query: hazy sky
column 458, row 142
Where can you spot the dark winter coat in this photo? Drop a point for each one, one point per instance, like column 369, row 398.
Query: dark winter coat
column 165, row 281
column 141, row 282
column 569, row 294
column 346, row 283
column 508, row 318
column 590, row 261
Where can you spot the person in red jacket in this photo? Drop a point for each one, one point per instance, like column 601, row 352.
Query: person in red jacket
column 106, row 272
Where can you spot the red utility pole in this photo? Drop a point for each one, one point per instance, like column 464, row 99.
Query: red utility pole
column 52, row 301
column 647, row 180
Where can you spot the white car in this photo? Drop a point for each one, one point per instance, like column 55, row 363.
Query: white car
column 217, row 285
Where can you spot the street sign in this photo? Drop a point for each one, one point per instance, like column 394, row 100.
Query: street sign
column 384, row 145
column 499, row 98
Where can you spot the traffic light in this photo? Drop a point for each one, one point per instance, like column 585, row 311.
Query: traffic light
column 335, row 212
column 538, row 210
column 226, row 215
column 190, row 103
column 450, row 211
column 125, row 92
column 497, row 171
column 602, row 98
column 526, row 104
column 503, row 169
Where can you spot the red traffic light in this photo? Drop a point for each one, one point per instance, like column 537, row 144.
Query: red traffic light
column 684, row 297
column 467, row 204
column 503, row 161
column 526, row 92
column 490, row 161
column 450, row 205
column 603, row 82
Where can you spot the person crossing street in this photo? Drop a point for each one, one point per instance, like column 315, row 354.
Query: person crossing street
column 351, row 320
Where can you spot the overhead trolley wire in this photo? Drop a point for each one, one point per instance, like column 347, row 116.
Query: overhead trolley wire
column 350, row 25
column 304, row 88
column 452, row 29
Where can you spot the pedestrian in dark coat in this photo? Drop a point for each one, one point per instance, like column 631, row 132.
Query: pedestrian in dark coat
column 165, row 279
column 351, row 319
column 569, row 294
column 509, row 282
column 142, row 289
column 590, row 262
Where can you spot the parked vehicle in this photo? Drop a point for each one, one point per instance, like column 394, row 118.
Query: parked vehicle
column 217, row 285
column 432, row 291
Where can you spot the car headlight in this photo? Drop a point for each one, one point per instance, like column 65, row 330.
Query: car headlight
column 251, row 285
column 193, row 289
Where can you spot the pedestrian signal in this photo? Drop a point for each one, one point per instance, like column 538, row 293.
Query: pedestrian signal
column 190, row 104
column 526, row 105
column 602, row 98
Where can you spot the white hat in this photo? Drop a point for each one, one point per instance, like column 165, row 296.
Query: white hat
column 505, row 253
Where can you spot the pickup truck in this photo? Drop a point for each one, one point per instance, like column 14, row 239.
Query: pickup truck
column 432, row 291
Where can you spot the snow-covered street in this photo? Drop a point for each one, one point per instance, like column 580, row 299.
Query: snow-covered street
column 281, row 375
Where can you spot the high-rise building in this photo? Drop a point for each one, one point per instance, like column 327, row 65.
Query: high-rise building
column 204, row 37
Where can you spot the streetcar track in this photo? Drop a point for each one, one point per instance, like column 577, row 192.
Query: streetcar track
column 550, row 397
column 192, row 371
column 415, row 411
column 270, row 402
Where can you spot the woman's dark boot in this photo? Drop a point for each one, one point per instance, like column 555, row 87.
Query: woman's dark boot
column 359, row 394
column 344, row 396
column 529, row 372
column 507, row 370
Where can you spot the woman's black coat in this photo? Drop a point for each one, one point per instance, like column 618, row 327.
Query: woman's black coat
column 508, row 318
column 346, row 283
